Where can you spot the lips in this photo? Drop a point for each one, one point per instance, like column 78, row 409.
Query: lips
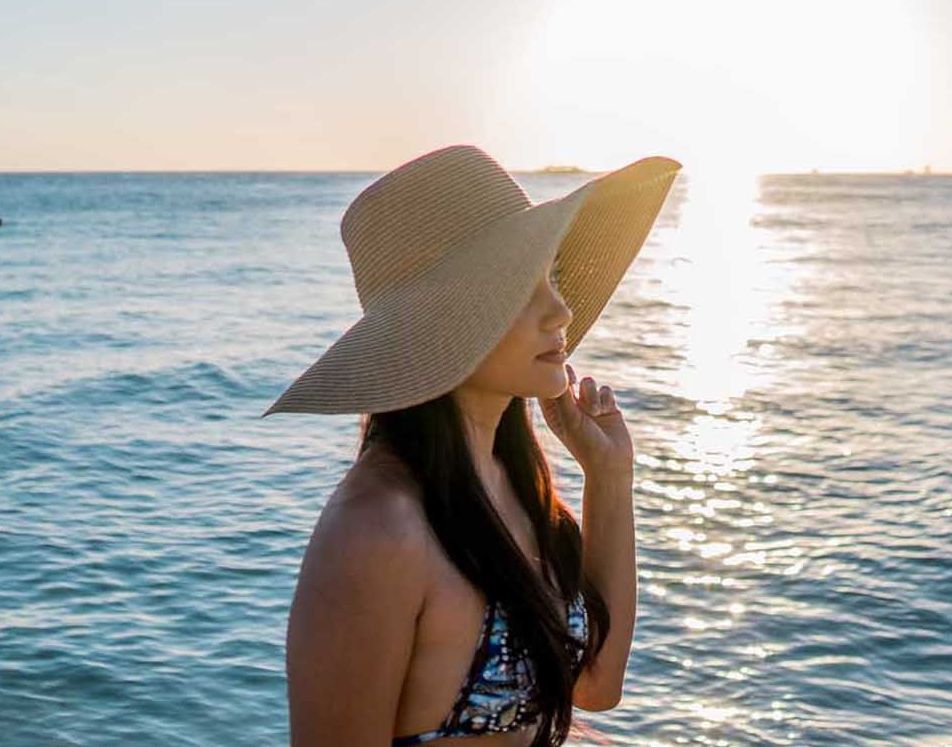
column 558, row 347
column 556, row 356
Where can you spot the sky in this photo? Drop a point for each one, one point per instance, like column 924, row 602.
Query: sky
column 741, row 85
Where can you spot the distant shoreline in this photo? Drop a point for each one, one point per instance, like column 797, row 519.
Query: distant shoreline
column 559, row 170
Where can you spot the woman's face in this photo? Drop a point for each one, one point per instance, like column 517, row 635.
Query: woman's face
column 512, row 367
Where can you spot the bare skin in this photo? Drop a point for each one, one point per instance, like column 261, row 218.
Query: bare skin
column 449, row 623
column 420, row 663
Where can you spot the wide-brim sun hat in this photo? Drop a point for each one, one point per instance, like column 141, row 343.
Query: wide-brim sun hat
column 446, row 250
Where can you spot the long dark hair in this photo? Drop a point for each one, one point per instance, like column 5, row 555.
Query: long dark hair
column 430, row 440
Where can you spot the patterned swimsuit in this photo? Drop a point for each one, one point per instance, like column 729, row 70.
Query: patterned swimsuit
column 498, row 694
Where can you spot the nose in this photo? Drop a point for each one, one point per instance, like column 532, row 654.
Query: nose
column 562, row 312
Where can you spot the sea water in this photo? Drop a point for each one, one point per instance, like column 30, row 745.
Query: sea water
column 783, row 359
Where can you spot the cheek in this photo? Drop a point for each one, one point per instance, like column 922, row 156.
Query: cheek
column 511, row 368
column 519, row 345
column 507, row 361
column 512, row 358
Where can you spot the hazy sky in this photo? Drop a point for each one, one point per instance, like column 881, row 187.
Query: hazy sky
column 756, row 86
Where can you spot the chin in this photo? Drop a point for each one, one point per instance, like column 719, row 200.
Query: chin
column 551, row 386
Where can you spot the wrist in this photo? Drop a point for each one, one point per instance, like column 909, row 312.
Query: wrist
column 615, row 473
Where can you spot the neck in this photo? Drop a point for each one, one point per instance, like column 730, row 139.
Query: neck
column 482, row 412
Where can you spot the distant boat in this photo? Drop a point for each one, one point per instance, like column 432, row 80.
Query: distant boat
column 561, row 170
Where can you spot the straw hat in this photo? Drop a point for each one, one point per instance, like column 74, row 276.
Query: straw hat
column 446, row 250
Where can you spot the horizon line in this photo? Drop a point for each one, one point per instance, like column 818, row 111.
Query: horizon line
column 542, row 171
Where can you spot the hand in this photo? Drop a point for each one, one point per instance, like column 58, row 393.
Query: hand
column 590, row 426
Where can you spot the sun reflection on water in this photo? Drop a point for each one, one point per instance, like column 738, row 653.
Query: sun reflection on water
column 705, row 474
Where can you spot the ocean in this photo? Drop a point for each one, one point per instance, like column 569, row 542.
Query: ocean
column 783, row 357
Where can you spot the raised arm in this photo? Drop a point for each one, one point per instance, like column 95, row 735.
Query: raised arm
column 608, row 549
column 352, row 623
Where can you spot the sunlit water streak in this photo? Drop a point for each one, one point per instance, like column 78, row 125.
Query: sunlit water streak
column 782, row 353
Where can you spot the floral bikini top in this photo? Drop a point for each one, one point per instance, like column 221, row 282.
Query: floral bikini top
column 499, row 692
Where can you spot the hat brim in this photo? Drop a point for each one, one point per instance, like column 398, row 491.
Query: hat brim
column 424, row 338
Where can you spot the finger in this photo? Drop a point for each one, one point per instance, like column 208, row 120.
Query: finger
column 564, row 402
column 589, row 394
column 607, row 398
column 570, row 390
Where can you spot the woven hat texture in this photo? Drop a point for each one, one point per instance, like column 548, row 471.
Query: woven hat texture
column 446, row 249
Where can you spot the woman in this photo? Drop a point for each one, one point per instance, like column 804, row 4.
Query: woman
column 447, row 591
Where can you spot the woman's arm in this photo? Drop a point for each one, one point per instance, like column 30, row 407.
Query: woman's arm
column 608, row 559
column 352, row 623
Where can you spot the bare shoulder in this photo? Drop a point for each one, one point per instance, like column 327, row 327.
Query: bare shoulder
column 352, row 623
column 373, row 514
column 378, row 490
